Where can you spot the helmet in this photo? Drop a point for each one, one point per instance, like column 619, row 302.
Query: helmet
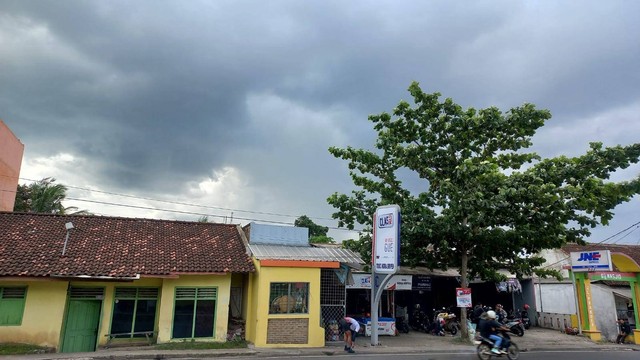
column 526, row 306
column 491, row 314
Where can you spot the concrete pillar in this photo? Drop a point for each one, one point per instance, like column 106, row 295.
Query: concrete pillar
column 635, row 296
column 585, row 303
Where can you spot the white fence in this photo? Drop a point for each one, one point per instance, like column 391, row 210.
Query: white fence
column 554, row 321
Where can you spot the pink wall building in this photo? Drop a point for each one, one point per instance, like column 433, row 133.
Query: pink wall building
column 11, row 150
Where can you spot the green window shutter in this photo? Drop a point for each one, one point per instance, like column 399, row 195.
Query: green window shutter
column 185, row 293
column 12, row 301
column 207, row 293
column 126, row 293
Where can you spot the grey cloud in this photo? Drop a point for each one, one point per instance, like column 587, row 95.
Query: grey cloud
column 156, row 94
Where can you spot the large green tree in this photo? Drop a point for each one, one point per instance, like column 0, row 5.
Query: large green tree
column 317, row 233
column 484, row 203
column 44, row 196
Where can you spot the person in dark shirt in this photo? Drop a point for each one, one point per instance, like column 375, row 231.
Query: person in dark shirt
column 489, row 328
column 625, row 330
column 477, row 311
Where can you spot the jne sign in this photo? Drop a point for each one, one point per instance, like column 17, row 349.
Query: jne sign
column 590, row 261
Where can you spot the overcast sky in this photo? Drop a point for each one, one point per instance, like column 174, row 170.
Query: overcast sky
column 233, row 104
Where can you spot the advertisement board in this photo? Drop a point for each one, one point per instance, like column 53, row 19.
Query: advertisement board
column 421, row 282
column 463, row 297
column 386, row 240
column 589, row 261
column 397, row 282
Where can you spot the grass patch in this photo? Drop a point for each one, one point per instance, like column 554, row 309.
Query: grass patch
column 21, row 349
column 194, row 345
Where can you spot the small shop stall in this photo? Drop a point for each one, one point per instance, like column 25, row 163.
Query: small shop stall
column 359, row 302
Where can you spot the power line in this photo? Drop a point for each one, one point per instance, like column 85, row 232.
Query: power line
column 185, row 203
column 625, row 235
column 194, row 213
column 598, row 243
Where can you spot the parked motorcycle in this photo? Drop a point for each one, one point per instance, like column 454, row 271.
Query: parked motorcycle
column 524, row 316
column 447, row 320
column 402, row 324
column 419, row 320
column 485, row 345
column 515, row 326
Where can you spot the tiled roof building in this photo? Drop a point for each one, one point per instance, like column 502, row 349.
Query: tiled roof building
column 31, row 245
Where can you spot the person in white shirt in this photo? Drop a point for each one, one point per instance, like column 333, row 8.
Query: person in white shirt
column 350, row 326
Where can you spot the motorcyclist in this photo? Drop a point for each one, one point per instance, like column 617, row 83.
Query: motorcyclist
column 489, row 329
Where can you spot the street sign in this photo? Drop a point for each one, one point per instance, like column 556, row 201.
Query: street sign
column 386, row 240
column 590, row 261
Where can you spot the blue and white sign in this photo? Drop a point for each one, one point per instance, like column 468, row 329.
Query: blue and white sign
column 386, row 240
column 585, row 261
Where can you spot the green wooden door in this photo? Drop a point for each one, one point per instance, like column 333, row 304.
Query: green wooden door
column 81, row 330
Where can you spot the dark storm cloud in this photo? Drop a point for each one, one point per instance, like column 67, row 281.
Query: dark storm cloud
column 157, row 93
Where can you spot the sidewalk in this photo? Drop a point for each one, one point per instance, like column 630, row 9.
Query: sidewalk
column 413, row 342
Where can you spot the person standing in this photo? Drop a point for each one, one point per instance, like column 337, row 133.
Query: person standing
column 475, row 314
column 625, row 330
column 501, row 312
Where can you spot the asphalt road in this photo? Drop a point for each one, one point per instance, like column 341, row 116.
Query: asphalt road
column 532, row 355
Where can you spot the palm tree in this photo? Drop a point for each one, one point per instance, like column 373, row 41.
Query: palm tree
column 44, row 196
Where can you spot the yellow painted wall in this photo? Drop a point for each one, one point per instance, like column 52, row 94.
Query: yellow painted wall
column 624, row 263
column 43, row 314
column 165, row 316
column 251, row 309
column 259, row 300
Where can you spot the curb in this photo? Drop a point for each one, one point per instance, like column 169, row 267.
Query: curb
column 291, row 352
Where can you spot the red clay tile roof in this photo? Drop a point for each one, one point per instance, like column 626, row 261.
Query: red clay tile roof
column 633, row 251
column 31, row 245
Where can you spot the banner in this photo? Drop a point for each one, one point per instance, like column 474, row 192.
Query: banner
column 463, row 297
column 397, row 282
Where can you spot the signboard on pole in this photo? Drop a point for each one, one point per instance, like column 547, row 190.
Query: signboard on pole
column 397, row 282
column 463, row 297
column 590, row 261
column 386, row 240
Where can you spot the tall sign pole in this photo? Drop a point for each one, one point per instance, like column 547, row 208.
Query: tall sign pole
column 385, row 253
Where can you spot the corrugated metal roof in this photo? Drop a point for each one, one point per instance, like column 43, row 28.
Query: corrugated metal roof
column 304, row 253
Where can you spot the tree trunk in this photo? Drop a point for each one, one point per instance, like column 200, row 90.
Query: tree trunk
column 464, row 283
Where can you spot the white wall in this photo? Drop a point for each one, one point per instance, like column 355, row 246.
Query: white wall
column 604, row 310
column 604, row 307
column 555, row 298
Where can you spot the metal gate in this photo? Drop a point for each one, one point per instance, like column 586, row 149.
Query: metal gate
column 332, row 304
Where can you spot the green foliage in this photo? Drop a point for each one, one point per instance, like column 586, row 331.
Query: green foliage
column 321, row 239
column 486, row 203
column 317, row 233
column 44, row 196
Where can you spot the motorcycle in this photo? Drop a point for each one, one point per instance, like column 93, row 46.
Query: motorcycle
column 447, row 320
column 485, row 345
column 524, row 317
column 515, row 326
column 419, row 320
